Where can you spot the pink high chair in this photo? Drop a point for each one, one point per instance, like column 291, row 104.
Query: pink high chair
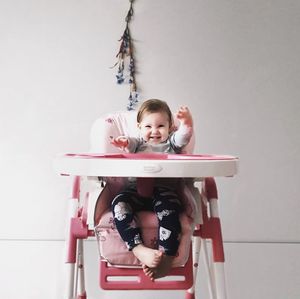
column 93, row 190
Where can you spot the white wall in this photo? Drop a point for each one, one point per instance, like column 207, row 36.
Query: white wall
column 235, row 63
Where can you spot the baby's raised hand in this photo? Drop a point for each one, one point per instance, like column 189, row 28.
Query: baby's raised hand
column 120, row 142
column 185, row 117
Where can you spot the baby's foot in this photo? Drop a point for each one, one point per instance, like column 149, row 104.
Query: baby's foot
column 164, row 267
column 147, row 256
column 150, row 272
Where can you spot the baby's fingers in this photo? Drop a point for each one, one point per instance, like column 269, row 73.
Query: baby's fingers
column 182, row 112
column 120, row 141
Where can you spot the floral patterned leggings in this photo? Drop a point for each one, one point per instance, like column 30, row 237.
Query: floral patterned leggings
column 164, row 203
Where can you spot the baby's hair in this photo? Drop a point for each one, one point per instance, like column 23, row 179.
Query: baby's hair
column 153, row 106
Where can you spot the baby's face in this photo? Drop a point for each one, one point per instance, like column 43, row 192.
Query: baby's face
column 155, row 127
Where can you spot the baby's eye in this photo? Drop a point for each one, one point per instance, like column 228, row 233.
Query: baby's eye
column 161, row 126
column 148, row 126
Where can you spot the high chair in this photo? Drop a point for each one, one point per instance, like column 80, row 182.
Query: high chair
column 100, row 174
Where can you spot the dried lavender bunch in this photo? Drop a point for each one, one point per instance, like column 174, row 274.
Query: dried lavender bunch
column 126, row 63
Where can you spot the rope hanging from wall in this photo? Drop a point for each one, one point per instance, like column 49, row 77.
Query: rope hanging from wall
column 126, row 63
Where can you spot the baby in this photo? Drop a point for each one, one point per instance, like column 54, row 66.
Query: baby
column 157, row 134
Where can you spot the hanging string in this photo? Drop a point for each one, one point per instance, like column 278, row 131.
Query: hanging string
column 126, row 63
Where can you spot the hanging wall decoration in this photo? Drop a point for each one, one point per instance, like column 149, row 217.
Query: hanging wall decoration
column 126, row 63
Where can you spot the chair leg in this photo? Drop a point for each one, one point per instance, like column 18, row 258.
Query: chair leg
column 78, row 230
column 70, row 280
column 220, row 280
column 215, row 268
column 70, row 248
column 211, row 229
column 81, row 293
column 190, row 293
column 218, row 259
column 209, row 271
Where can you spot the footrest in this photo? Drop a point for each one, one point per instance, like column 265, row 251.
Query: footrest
column 114, row 278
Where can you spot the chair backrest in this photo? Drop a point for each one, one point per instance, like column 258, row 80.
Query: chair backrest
column 116, row 124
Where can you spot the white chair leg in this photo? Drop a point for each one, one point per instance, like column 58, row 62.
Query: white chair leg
column 218, row 267
column 209, row 271
column 70, row 281
column 80, row 270
column 220, row 280
column 190, row 293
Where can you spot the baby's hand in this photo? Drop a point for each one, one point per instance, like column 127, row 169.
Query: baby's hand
column 185, row 117
column 120, row 142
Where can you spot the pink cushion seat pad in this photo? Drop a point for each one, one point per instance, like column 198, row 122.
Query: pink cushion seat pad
column 113, row 249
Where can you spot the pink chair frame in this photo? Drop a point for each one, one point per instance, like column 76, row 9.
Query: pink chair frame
column 209, row 230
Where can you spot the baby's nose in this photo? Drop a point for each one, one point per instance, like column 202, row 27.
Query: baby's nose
column 154, row 130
